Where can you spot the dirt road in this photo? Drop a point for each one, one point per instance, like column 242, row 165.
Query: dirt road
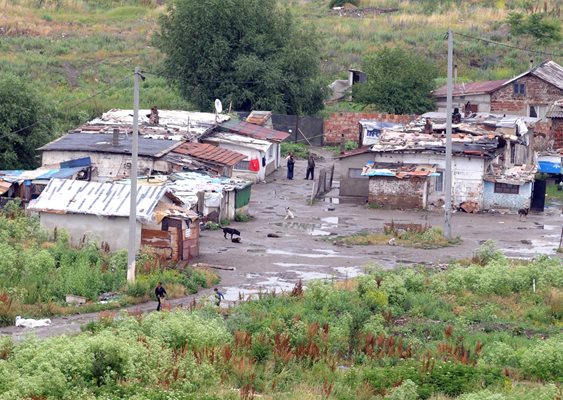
column 301, row 251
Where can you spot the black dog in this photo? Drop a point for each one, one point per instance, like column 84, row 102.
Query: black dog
column 523, row 212
column 230, row 231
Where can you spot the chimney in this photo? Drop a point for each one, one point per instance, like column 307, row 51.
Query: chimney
column 455, row 74
column 531, row 64
column 115, row 139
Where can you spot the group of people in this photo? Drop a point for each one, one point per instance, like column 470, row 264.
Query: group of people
column 291, row 164
column 161, row 294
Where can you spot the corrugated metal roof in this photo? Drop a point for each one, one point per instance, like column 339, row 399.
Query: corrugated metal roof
column 94, row 198
column 239, row 140
column 556, row 110
column 255, row 131
column 209, row 152
column 462, row 89
column 102, row 143
column 40, row 173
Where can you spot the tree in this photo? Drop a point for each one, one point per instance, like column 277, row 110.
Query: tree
column 398, row 82
column 249, row 52
column 543, row 30
column 26, row 123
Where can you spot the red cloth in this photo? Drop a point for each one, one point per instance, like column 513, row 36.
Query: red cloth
column 254, row 165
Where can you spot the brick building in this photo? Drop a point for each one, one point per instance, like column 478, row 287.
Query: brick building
column 555, row 118
column 348, row 124
column 531, row 93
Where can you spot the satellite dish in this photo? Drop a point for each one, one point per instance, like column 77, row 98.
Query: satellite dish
column 218, row 106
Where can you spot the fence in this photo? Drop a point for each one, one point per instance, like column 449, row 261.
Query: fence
column 323, row 183
column 307, row 130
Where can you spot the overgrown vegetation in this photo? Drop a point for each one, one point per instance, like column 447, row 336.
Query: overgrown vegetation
column 299, row 150
column 423, row 238
column 36, row 272
column 471, row 332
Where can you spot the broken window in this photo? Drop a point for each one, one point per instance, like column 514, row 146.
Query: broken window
column 519, row 89
column 506, row 188
column 356, row 173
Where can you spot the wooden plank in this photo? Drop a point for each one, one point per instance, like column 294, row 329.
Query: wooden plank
column 154, row 233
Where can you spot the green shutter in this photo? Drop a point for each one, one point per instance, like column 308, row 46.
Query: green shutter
column 242, row 196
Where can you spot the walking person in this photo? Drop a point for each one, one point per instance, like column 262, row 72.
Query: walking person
column 160, row 294
column 218, row 297
column 310, row 167
column 290, row 165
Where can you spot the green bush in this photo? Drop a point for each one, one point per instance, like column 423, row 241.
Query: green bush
column 299, row 150
column 544, row 360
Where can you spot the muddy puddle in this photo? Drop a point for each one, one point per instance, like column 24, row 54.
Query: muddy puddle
column 327, row 226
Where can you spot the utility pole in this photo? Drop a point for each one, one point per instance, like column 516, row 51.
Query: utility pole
column 132, row 249
column 448, row 183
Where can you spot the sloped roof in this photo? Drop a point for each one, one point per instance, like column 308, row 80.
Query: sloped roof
column 548, row 71
column 556, row 110
column 102, row 143
column 211, row 153
column 254, row 131
column 259, row 117
column 462, row 89
column 65, row 196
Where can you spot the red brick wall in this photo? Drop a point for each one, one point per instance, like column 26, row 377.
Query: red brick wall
column 538, row 92
column 347, row 123
column 557, row 132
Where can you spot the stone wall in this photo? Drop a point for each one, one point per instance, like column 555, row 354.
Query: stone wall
column 537, row 92
column 347, row 123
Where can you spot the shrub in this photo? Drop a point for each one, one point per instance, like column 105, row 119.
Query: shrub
column 544, row 360
column 239, row 217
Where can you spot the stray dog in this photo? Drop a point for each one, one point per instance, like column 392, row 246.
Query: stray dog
column 523, row 212
column 236, row 240
column 230, row 231
column 288, row 213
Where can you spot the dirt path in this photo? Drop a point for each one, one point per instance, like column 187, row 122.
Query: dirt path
column 301, row 251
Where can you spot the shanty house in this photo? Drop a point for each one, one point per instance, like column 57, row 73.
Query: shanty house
column 272, row 159
column 406, row 168
column 194, row 156
column 27, row 185
column 555, row 117
column 110, row 154
column 100, row 212
column 261, row 156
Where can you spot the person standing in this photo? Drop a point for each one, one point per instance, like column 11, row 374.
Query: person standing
column 290, row 165
column 218, row 297
column 160, row 294
column 310, row 167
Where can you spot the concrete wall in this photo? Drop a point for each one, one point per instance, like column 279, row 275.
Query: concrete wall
column 404, row 193
column 354, row 187
column 538, row 92
column 467, row 179
column 492, row 200
column 112, row 230
column 106, row 166
column 347, row 123
column 483, row 102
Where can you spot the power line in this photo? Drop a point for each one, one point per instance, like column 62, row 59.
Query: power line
column 509, row 45
column 224, row 80
column 78, row 103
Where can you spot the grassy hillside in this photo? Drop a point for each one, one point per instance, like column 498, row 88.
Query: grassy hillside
column 75, row 49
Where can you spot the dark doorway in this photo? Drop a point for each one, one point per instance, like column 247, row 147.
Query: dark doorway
column 538, row 196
